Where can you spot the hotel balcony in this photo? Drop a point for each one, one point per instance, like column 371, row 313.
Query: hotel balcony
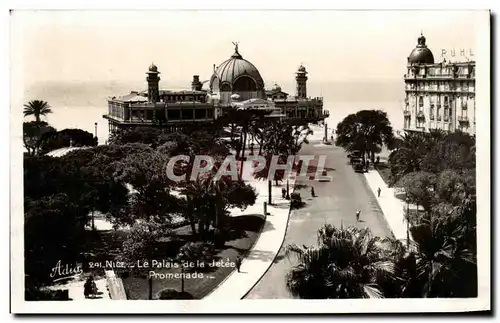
column 431, row 116
column 407, row 113
column 420, row 115
column 463, row 119
column 446, row 119
column 438, row 118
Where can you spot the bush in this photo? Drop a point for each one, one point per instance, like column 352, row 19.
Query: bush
column 198, row 251
column 174, row 294
column 33, row 294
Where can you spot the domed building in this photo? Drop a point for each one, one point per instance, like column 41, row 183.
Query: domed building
column 438, row 95
column 235, row 84
column 236, row 76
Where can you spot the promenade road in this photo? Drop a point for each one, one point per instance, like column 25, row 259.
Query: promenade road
column 336, row 202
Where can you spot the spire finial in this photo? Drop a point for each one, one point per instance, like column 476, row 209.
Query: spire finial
column 235, row 43
column 236, row 53
column 421, row 32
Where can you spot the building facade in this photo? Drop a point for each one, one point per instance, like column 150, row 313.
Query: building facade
column 235, row 83
column 438, row 95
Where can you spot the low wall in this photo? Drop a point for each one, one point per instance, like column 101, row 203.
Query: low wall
column 115, row 286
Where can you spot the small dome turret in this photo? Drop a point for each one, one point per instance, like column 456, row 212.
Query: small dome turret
column 421, row 54
column 153, row 68
column 276, row 88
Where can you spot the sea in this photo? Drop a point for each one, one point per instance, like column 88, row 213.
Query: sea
column 78, row 104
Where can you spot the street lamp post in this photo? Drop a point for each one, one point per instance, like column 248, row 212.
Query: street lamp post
column 407, row 222
column 287, row 190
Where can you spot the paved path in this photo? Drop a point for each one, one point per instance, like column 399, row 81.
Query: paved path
column 336, row 203
column 262, row 254
column 75, row 290
column 392, row 207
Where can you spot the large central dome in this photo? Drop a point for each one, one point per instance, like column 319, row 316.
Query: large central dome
column 236, row 75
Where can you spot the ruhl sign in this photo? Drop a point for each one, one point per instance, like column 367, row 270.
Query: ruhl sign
column 461, row 52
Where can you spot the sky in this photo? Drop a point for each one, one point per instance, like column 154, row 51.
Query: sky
column 335, row 46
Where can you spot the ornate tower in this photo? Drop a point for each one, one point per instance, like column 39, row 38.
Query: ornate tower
column 153, row 80
column 196, row 85
column 301, row 78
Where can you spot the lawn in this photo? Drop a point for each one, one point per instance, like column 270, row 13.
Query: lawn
column 245, row 231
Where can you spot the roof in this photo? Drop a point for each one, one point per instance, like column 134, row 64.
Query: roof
column 176, row 92
column 232, row 69
column 63, row 151
column 132, row 97
column 421, row 54
column 273, row 91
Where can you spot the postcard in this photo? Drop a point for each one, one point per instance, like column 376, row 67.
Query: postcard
column 264, row 161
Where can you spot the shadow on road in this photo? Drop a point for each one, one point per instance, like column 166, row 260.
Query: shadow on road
column 261, row 255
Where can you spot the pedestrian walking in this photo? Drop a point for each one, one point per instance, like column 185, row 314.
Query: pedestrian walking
column 378, row 191
column 283, row 192
column 313, row 194
column 357, row 215
column 238, row 263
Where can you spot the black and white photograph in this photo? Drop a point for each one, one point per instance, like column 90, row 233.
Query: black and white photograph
column 312, row 161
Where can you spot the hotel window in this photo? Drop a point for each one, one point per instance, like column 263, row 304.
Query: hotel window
column 421, row 103
column 149, row 114
column 431, row 112
column 407, row 123
column 210, row 113
column 446, row 117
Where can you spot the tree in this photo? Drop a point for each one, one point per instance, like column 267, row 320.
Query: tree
column 454, row 187
column 53, row 231
column 65, row 138
column 283, row 139
column 208, row 200
column 37, row 108
column 265, row 174
column 151, row 197
column 141, row 245
column 346, row 263
column 409, row 155
column 445, row 259
column 453, row 151
column 420, row 188
column 33, row 133
column 145, row 135
column 432, row 152
column 366, row 131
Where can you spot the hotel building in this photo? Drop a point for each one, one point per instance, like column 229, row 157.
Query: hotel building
column 235, row 84
column 438, row 95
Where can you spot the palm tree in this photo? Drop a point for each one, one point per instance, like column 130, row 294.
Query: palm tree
column 366, row 131
column 410, row 154
column 445, row 258
column 37, row 108
column 346, row 263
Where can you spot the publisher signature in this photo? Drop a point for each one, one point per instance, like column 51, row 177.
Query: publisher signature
column 60, row 272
